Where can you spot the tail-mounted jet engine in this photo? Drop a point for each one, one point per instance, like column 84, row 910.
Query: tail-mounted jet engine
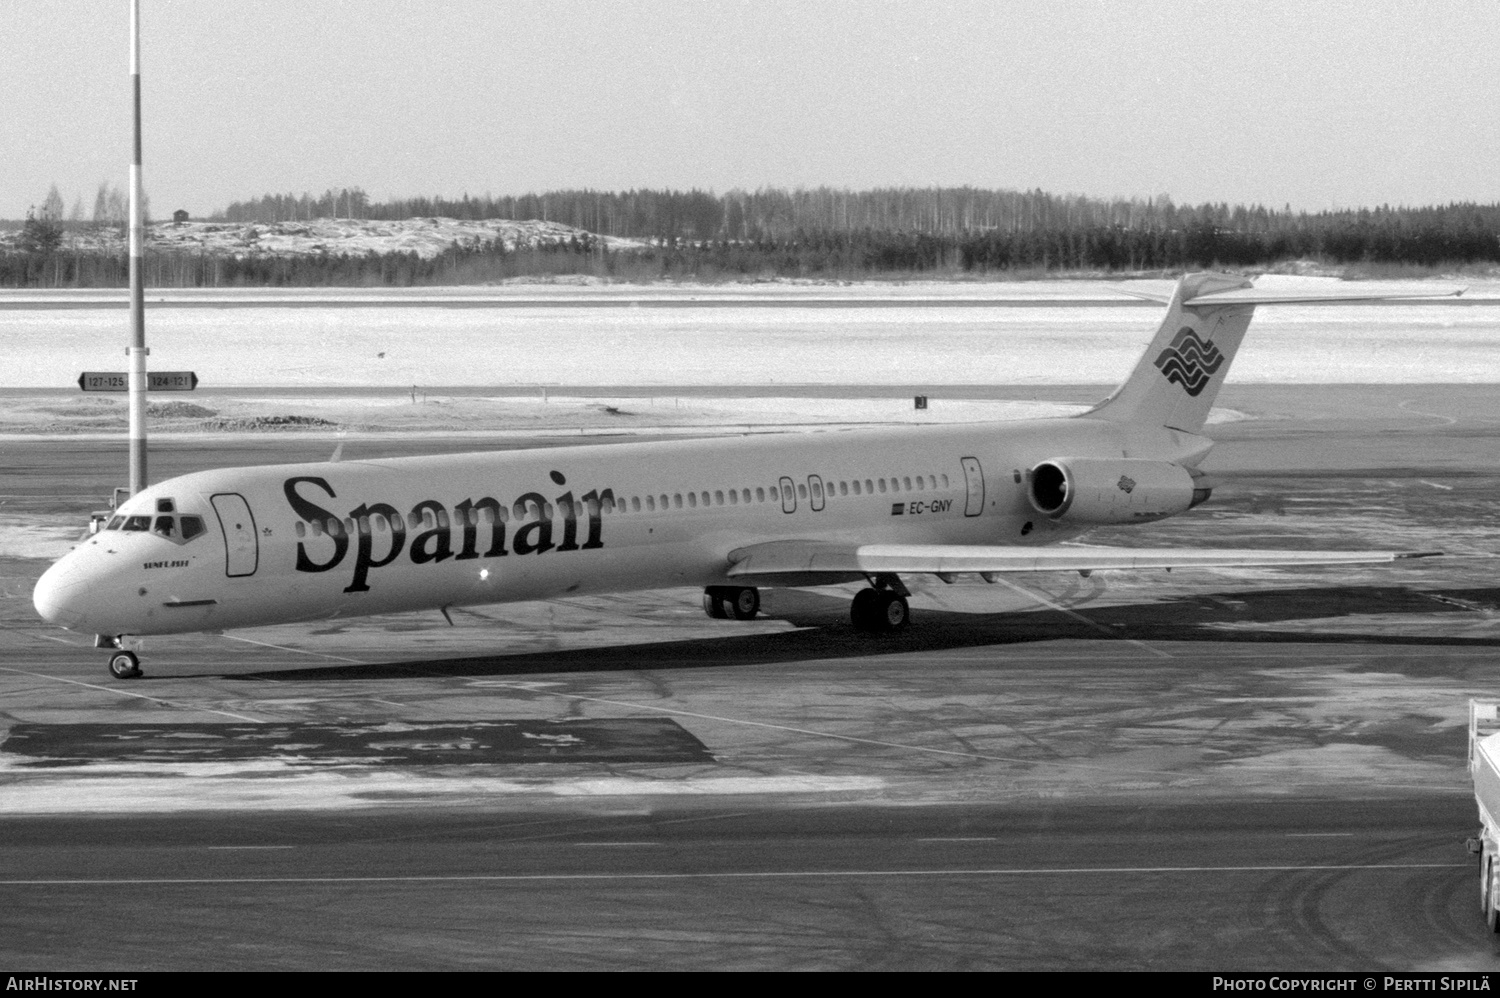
column 1095, row 491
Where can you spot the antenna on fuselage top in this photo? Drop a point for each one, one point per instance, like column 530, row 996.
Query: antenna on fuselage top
column 137, row 350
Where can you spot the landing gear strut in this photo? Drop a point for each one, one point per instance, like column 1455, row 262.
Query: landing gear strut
column 882, row 608
column 722, row 602
column 124, row 665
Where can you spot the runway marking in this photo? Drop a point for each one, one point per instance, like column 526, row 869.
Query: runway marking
column 828, row 734
column 765, row 724
column 472, row 878
column 295, row 651
column 130, row 693
column 975, row 838
column 249, row 847
column 1436, row 485
column 51, row 637
column 1080, row 617
column 45, row 637
column 1447, row 420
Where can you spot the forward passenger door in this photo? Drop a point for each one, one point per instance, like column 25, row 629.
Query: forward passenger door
column 241, row 548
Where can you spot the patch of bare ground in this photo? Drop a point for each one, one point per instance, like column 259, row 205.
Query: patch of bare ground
column 252, row 424
column 179, row 410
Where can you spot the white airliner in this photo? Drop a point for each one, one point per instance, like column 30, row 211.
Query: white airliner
column 299, row 542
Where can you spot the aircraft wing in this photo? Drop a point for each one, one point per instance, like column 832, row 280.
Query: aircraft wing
column 809, row 561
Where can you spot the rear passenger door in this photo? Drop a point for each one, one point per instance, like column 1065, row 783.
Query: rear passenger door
column 974, row 484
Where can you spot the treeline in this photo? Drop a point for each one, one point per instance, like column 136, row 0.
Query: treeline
column 820, row 233
column 777, row 214
column 847, row 256
column 476, row 262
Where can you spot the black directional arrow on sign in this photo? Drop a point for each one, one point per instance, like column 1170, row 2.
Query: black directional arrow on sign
column 156, row 381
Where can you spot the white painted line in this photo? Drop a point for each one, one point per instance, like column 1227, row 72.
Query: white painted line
column 1447, row 420
column 1066, row 871
column 251, row 847
column 975, row 838
column 295, row 651
column 1079, row 617
column 677, row 712
column 1436, row 485
column 44, row 637
column 129, row 693
column 61, row 641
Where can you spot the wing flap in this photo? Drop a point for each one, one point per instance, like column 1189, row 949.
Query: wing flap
column 816, row 559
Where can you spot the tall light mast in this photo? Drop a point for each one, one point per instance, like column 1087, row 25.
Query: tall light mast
column 137, row 350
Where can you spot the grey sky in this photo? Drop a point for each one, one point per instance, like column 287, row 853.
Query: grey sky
column 1315, row 104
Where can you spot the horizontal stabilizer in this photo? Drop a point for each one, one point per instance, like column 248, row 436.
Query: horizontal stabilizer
column 1157, row 291
column 1255, row 296
column 1161, row 291
column 808, row 558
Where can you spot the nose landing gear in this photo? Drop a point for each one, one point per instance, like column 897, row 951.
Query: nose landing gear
column 124, row 665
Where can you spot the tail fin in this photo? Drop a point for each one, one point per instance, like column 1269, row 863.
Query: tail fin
column 1178, row 378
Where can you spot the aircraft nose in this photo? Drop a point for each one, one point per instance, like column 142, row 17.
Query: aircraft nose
column 61, row 593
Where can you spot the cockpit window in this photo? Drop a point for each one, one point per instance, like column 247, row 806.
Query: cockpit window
column 138, row 523
column 178, row 529
column 115, row 522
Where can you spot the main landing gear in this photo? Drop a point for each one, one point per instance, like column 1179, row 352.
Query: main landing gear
column 122, row 664
column 881, row 609
column 723, row 602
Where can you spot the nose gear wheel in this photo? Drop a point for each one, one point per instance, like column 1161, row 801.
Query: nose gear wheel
column 124, row 665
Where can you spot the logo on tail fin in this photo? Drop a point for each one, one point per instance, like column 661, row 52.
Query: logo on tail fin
column 1189, row 361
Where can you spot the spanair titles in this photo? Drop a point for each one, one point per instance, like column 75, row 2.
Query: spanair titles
column 542, row 525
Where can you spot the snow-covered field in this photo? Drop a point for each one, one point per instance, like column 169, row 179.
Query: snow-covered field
column 538, row 340
column 427, row 237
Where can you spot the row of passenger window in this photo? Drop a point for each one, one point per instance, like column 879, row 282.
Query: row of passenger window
column 782, row 492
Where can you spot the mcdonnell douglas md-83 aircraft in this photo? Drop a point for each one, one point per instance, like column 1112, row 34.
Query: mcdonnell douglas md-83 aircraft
column 284, row 543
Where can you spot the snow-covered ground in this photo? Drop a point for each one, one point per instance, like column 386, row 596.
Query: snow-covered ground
column 827, row 342
column 427, row 237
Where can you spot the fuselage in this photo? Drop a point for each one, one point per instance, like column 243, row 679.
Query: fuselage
column 285, row 543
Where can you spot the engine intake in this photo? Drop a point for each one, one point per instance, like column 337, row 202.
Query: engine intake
column 1099, row 491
